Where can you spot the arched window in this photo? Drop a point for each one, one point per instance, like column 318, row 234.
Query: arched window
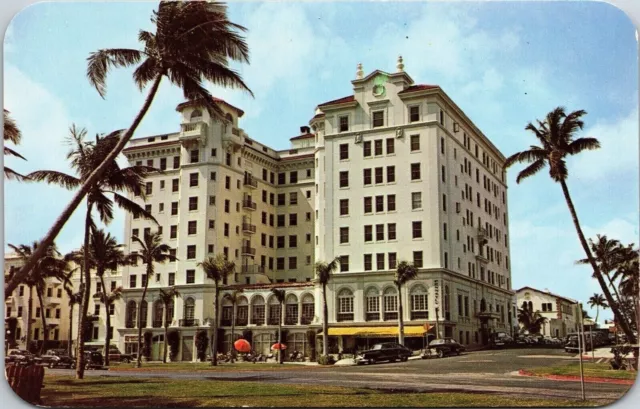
column 419, row 303
column 189, row 313
column 483, row 305
column 372, row 303
column 530, row 306
column 143, row 314
column 257, row 310
column 308, row 309
column 262, row 342
column 345, row 305
column 227, row 312
column 390, row 305
column 158, row 313
column 196, row 114
column 274, row 311
column 131, row 314
column 291, row 310
column 229, row 118
column 242, row 311
column 297, row 341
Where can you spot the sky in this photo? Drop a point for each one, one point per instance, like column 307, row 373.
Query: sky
column 504, row 64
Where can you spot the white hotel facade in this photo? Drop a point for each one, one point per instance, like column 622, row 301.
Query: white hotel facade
column 394, row 171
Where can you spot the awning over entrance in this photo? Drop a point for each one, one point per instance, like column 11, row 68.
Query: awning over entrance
column 377, row 332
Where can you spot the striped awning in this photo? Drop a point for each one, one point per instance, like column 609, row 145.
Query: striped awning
column 379, row 332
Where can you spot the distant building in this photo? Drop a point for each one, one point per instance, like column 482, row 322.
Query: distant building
column 561, row 312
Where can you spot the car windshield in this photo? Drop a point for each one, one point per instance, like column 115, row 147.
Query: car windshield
column 377, row 346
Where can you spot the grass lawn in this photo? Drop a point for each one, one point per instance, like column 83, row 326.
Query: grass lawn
column 206, row 366
column 590, row 370
column 61, row 391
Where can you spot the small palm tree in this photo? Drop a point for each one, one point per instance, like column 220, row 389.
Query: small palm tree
column 556, row 135
column 324, row 271
column 217, row 269
column 167, row 296
column 194, row 41
column 280, row 296
column 233, row 297
column 11, row 134
column 404, row 273
column 74, row 298
column 597, row 300
column 608, row 255
column 152, row 251
column 530, row 320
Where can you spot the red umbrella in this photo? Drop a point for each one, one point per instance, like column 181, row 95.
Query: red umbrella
column 242, row 345
column 277, row 346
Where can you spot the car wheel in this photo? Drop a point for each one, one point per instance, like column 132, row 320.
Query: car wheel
column 404, row 358
column 52, row 365
column 372, row 361
column 440, row 353
column 125, row 361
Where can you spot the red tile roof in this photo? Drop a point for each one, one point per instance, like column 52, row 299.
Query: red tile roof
column 418, row 87
column 268, row 286
column 303, row 136
column 187, row 103
column 343, row 100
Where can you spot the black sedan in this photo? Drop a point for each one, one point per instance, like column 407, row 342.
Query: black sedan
column 20, row 357
column 386, row 351
column 443, row 347
column 54, row 358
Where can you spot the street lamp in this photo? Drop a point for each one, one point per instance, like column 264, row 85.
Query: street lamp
column 581, row 347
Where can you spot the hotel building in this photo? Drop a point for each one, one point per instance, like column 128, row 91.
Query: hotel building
column 394, row 171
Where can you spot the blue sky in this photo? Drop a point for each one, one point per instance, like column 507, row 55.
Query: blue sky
column 503, row 63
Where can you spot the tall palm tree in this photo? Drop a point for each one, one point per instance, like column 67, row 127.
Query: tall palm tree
column 531, row 320
column 12, row 134
column 404, row 273
column 50, row 266
column 233, row 297
column 193, row 42
column 628, row 274
column 597, row 300
column 151, row 251
column 106, row 254
column 84, row 157
column 608, row 255
column 324, row 271
column 167, row 296
column 556, row 134
column 280, row 296
column 217, row 269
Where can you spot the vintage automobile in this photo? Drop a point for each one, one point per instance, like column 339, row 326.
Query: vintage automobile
column 572, row 344
column 93, row 360
column 442, row 347
column 116, row 356
column 386, row 351
column 20, row 357
column 55, row 358
column 500, row 340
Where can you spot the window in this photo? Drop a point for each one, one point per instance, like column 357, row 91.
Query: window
column 392, row 261
column 227, row 205
column 293, row 263
column 368, row 204
column 293, row 177
column 344, row 151
column 344, row 123
column 193, row 179
column 149, row 188
column 214, row 152
column 193, row 203
column 344, row 263
column 281, row 199
column 344, row 235
column 173, row 232
column 366, row 175
column 192, row 227
column 367, row 262
column 379, row 175
column 174, row 208
column 191, row 276
column 368, row 233
column 417, row 259
column 132, row 281
column 226, row 230
column 172, row 279
column 344, row 178
column 345, row 305
column 228, row 159
column 163, row 163
column 161, row 208
column 176, row 162
column 391, row 231
column 444, row 231
column 366, row 150
column 293, row 219
column 134, row 233
column 380, row 261
column 417, row 230
column 415, row 171
column 390, row 304
column 378, row 119
column 282, row 178
column 414, row 113
column 280, row 263
column 175, row 185
column 379, row 204
column 293, row 198
column 344, row 207
column 96, row 310
column 293, row 241
column 444, row 203
column 195, row 156
column 391, row 203
column 416, row 200
column 379, row 232
column 444, row 174
column 191, row 252
column 391, row 146
column 391, row 174
column 415, row 143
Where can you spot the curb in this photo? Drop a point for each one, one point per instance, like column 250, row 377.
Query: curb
column 573, row 378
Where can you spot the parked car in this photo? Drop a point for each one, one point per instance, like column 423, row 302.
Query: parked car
column 93, row 360
column 521, row 340
column 20, row 357
column 443, row 347
column 500, row 339
column 57, row 358
column 572, row 343
column 116, row 356
column 386, row 351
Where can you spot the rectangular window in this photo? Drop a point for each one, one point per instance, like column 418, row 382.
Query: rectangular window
column 417, row 230
column 380, row 261
column 195, row 156
column 344, row 151
column 191, row 276
column 368, row 233
column 191, row 252
column 176, row 162
column 293, row 263
column 149, row 188
column 391, row 174
column 391, row 146
column 193, row 203
column 132, row 281
column 391, row 203
column 175, row 185
column 293, row 198
column 379, row 232
column 391, row 231
column 344, row 235
column 444, row 231
column 344, row 178
column 414, row 113
column 293, row 241
column 193, row 179
column 280, row 263
column 344, row 123
column 379, row 204
column 192, row 227
column 378, row 119
column 415, row 171
column 415, row 143
column 392, row 261
column 281, row 199
column 344, row 207
column 174, row 208
column 379, row 175
column 366, row 151
column 163, row 163
column 226, row 230
column 368, row 265
column 366, row 176
column 368, row 206
column 173, row 232
column 417, row 259
column 293, row 219
column 344, row 263
column 377, row 144
column 416, row 200
column 293, row 177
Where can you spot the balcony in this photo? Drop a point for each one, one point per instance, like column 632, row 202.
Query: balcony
column 248, row 251
column 232, row 138
column 193, row 133
column 189, row 322
column 481, row 258
column 248, row 228
column 482, row 236
column 248, row 204
column 252, row 269
column 250, row 181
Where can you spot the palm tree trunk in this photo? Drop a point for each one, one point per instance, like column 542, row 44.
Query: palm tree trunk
column 233, row 332
column 400, row 317
column 29, row 315
column 214, row 336
column 280, row 360
column 82, row 192
column 107, row 338
column 43, row 320
column 624, row 324
column 166, row 332
column 325, row 324
column 144, row 294
column 86, row 293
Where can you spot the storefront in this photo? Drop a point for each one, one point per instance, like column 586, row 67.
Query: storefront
column 349, row 339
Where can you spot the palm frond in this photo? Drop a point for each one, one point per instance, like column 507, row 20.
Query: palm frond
column 528, row 156
column 582, row 144
column 132, row 207
column 11, row 174
column 531, row 170
column 101, row 61
column 10, row 152
column 11, row 132
column 54, row 177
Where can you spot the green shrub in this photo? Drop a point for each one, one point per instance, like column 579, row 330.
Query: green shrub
column 326, row 360
column 202, row 342
column 173, row 339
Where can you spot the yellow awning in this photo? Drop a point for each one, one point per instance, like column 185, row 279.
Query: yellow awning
column 410, row 330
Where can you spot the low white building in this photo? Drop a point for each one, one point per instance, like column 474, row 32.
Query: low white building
column 561, row 312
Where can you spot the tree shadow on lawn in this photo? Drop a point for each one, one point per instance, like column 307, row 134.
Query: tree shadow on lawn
column 102, row 380
column 132, row 401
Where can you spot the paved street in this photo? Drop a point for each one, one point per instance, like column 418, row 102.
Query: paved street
column 484, row 371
